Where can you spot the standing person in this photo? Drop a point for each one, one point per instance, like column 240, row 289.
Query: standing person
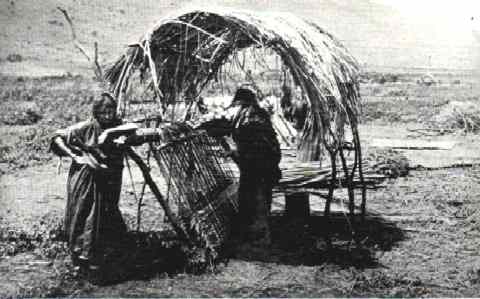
column 298, row 113
column 286, row 102
column 257, row 155
column 93, row 222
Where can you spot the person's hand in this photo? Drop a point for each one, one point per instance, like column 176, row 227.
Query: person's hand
column 232, row 154
column 120, row 142
column 88, row 160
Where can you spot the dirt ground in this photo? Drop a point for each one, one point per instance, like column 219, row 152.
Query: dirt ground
column 420, row 238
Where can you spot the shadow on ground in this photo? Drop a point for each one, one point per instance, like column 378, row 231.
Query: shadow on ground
column 304, row 241
column 294, row 242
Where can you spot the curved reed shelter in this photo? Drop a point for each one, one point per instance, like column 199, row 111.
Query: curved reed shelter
column 182, row 53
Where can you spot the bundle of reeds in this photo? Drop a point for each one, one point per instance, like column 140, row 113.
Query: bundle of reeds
column 298, row 176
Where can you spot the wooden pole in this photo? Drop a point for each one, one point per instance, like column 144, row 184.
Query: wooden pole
column 351, row 195
column 153, row 187
column 358, row 150
column 297, row 205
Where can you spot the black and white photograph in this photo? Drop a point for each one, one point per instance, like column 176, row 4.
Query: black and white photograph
column 239, row 148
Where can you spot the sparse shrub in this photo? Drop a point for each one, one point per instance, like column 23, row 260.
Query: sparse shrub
column 427, row 80
column 459, row 115
column 388, row 285
column 397, row 93
column 388, row 78
column 23, row 113
column 55, row 22
column 380, row 110
column 381, row 78
column 45, row 236
column 376, row 91
column 14, row 57
column 48, row 103
column 389, row 162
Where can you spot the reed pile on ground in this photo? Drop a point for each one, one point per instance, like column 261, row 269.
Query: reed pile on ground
column 456, row 115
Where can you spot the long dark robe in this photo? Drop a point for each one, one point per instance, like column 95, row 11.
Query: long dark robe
column 259, row 156
column 93, row 221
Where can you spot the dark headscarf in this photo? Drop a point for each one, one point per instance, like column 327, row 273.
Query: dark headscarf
column 244, row 96
column 105, row 100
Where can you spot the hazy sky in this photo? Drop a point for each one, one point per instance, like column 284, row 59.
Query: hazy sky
column 422, row 33
column 393, row 33
column 453, row 21
column 447, row 30
column 380, row 33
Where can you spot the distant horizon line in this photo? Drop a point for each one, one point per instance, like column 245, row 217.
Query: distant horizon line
column 367, row 66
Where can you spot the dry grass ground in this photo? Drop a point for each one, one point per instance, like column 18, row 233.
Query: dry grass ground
column 421, row 237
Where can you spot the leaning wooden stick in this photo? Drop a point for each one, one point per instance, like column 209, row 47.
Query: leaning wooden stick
column 148, row 179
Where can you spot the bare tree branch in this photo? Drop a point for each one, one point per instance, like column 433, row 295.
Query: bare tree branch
column 97, row 68
column 74, row 35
